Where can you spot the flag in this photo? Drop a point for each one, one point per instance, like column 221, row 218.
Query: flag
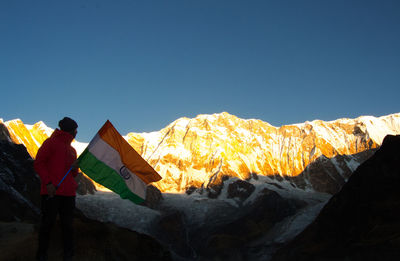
column 112, row 162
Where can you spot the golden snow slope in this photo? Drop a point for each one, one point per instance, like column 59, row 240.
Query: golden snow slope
column 195, row 152
column 192, row 152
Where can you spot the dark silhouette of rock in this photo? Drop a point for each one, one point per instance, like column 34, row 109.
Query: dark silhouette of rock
column 93, row 241
column 4, row 133
column 214, row 190
column 362, row 221
column 172, row 231
column 153, row 197
column 190, row 190
column 254, row 176
column 329, row 175
column 19, row 184
column 240, row 189
column 229, row 240
column 216, row 185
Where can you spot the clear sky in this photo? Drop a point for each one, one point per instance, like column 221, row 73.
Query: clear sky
column 143, row 64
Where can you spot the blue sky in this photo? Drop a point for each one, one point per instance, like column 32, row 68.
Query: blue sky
column 143, row 64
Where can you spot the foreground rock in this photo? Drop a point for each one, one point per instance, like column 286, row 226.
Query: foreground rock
column 229, row 241
column 19, row 184
column 243, row 217
column 94, row 241
column 362, row 221
column 20, row 214
column 153, row 197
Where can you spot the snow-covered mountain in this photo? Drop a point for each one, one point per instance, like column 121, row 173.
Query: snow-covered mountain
column 32, row 136
column 201, row 152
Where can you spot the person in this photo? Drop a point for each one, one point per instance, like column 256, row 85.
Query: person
column 53, row 160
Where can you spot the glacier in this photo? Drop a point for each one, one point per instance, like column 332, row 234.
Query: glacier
column 202, row 215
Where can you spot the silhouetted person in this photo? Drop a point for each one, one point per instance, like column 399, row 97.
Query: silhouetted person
column 53, row 160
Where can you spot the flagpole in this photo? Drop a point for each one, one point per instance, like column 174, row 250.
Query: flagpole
column 64, row 177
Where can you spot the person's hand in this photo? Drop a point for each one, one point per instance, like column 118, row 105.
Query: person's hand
column 75, row 165
column 78, row 177
column 51, row 190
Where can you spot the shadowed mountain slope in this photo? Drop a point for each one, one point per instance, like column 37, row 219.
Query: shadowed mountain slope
column 362, row 221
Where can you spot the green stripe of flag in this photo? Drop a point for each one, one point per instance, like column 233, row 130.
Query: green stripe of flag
column 106, row 176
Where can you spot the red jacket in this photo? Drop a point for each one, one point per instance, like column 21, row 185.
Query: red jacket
column 53, row 160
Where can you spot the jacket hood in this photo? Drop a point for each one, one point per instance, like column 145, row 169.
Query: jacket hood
column 62, row 135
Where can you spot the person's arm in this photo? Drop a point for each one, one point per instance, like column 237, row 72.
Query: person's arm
column 51, row 189
column 41, row 162
column 75, row 166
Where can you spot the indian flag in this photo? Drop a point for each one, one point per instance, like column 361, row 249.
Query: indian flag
column 112, row 162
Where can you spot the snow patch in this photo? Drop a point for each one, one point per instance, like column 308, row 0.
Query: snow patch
column 352, row 164
column 293, row 225
column 79, row 146
column 110, row 207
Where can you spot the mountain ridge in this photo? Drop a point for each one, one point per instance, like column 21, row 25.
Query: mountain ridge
column 199, row 152
column 223, row 144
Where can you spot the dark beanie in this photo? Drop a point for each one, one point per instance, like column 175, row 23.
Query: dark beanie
column 67, row 124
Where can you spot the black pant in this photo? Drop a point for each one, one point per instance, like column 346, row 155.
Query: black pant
column 64, row 206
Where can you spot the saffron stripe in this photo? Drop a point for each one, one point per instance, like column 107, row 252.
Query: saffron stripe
column 129, row 157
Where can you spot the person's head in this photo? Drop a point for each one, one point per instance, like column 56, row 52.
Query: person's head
column 68, row 125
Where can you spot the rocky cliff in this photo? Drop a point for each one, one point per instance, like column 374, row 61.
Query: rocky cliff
column 361, row 222
column 19, row 184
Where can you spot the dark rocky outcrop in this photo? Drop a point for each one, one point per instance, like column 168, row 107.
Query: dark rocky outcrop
column 229, row 240
column 362, row 221
column 240, row 189
column 215, row 185
column 172, row 231
column 19, row 184
column 153, row 197
column 328, row 175
column 93, row 241
column 4, row 133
